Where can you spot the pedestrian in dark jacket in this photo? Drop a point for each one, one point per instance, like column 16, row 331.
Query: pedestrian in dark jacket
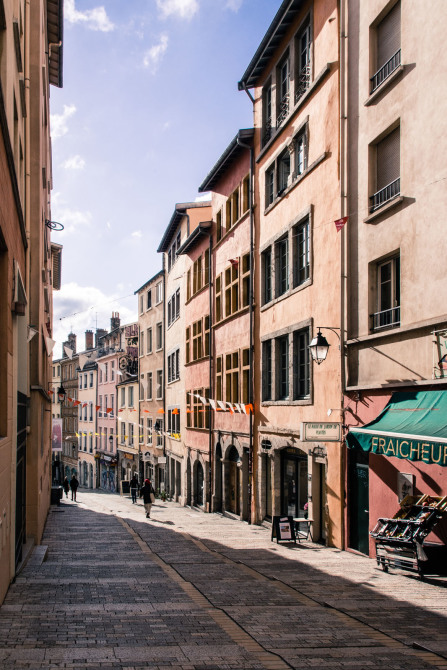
column 66, row 486
column 74, row 487
column 134, row 489
column 148, row 494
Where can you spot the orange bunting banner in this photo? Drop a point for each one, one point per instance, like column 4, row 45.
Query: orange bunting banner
column 98, row 407
column 160, row 411
column 108, row 410
column 76, row 402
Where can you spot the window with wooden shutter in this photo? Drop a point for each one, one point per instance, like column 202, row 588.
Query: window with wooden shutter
column 388, row 159
column 388, row 36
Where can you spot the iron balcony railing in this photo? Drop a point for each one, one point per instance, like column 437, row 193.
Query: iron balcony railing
column 303, row 83
column 267, row 131
column 283, row 110
column 385, row 71
column 384, row 195
column 388, row 318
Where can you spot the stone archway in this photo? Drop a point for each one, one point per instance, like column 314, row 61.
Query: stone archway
column 218, row 498
column 188, row 483
column 199, row 484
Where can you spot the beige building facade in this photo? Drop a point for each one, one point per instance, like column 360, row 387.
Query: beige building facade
column 184, row 220
column 28, row 275
column 151, row 362
column 396, row 319
column 295, row 77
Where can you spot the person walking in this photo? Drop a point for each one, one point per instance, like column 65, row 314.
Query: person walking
column 66, row 486
column 148, row 494
column 134, row 489
column 74, row 487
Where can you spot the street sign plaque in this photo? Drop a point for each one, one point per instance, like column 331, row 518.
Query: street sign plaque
column 320, row 432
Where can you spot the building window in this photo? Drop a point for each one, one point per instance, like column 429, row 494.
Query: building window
column 302, row 60
column 219, row 231
column 142, row 343
column 218, row 298
column 245, row 280
column 270, row 186
column 149, row 432
column 282, row 367
column 301, row 364
column 158, row 427
column 198, row 409
column 283, row 86
column 206, row 340
column 141, row 304
column 197, row 279
column 106, row 367
column 112, row 405
column 85, row 380
column 388, row 42
column 232, row 377
column 300, row 144
column 267, row 370
column 246, row 194
column 245, row 391
column 188, row 345
column 283, row 170
column 266, row 269
column 232, row 209
column 301, row 253
column 149, row 299
column 123, row 432
column 131, row 434
column 387, row 177
column 149, row 386
column 123, row 398
column 90, row 418
column 112, row 370
column 282, row 266
column 197, row 342
column 388, row 295
column 159, row 338
column 232, row 289
column 174, row 366
column 174, row 422
column 267, row 112
column 158, row 292
column 149, row 341
column 159, row 384
column 219, row 390
column 130, row 394
column 174, row 307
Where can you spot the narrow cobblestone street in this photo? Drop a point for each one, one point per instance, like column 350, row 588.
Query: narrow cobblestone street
column 195, row 591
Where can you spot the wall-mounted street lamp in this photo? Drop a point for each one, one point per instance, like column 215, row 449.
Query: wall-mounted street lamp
column 61, row 393
column 319, row 346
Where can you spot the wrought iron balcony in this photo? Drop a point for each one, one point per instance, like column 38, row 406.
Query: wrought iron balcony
column 384, row 195
column 388, row 318
column 385, row 71
column 267, row 131
column 302, row 83
column 283, row 110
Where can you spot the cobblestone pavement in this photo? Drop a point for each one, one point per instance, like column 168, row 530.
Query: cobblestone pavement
column 196, row 591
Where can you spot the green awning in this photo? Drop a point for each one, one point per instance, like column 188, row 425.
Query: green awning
column 412, row 426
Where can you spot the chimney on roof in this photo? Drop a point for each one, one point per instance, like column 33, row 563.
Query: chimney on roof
column 88, row 339
column 70, row 343
column 100, row 332
column 115, row 321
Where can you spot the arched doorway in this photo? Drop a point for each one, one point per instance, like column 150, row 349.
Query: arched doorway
column 91, row 476
column 217, row 503
column 85, row 478
column 198, row 484
column 233, row 482
column 294, row 482
column 188, row 482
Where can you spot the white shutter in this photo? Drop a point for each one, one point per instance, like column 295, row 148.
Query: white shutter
column 388, row 159
column 388, row 36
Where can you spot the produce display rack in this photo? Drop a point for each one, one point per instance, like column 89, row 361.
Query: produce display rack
column 399, row 540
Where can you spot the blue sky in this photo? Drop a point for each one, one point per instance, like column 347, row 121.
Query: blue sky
column 149, row 103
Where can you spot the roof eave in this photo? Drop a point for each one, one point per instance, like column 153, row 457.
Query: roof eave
column 244, row 135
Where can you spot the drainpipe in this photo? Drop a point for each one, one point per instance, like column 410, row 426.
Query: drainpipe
column 343, row 244
column 210, row 345
column 251, row 314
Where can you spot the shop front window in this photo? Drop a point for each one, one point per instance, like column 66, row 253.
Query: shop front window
column 294, row 482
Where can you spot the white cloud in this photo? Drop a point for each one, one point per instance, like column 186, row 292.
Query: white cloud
column 71, row 219
column 183, row 9
column 137, row 234
column 74, row 163
column 234, row 5
column 94, row 19
column 153, row 56
column 59, row 125
column 80, row 308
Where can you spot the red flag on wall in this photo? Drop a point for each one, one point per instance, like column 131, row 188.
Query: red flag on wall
column 340, row 223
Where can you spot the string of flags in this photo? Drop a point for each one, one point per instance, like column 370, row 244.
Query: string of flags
column 216, row 405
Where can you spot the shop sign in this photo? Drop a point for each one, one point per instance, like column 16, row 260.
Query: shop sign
column 405, row 485
column 147, row 456
column 320, row 432
column 107, row 459
column 161, row 460
column 412, row 449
